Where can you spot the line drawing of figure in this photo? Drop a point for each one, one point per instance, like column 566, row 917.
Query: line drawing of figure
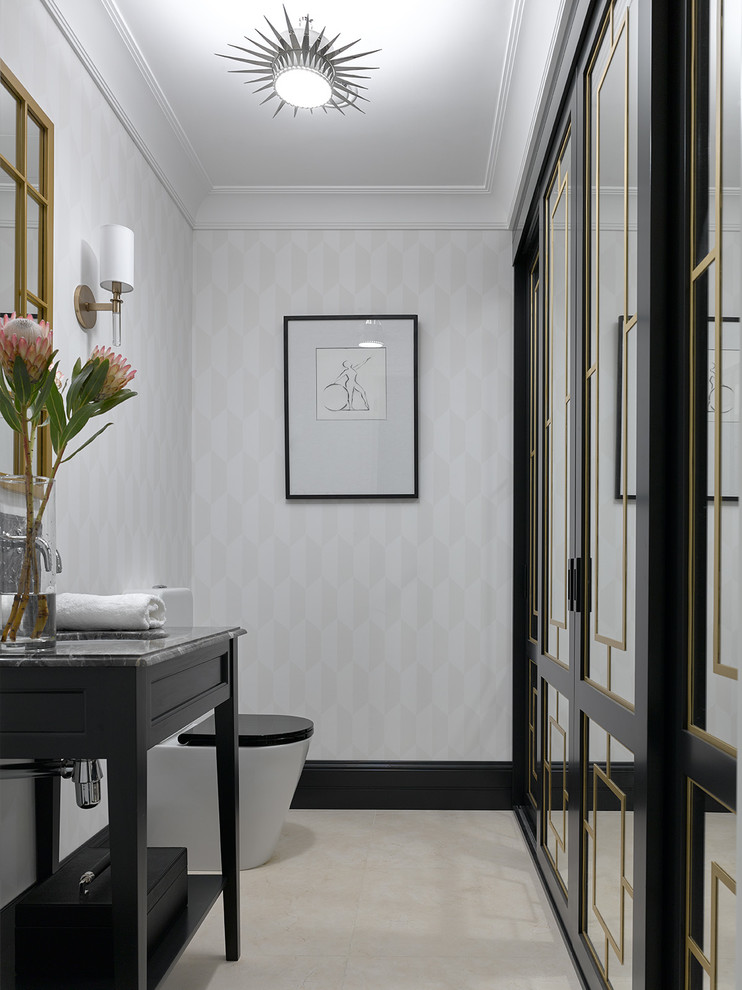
column 727, row 394
column 341, row 394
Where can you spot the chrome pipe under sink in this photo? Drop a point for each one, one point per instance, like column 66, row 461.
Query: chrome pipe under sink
column 86, row 775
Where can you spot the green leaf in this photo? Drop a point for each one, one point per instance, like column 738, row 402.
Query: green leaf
column 4, row 387
column 57, row 417
column 74, row 452
column 9, row 414
column 79, row 377
column 114, row 400
column 43, row 393
column 86, row 384
column 91, row 389
column 77, row 421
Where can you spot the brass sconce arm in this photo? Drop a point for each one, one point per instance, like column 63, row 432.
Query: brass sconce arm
column 86, row 307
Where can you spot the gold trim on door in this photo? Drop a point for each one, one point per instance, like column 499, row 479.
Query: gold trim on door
column 556, row 412
column 710, row 659
column 535, row 342
column 615, row 847
column 532, row 785
column 702, row 900
column 560, row 620
column 555, row 760
column 610, row 322
column 611, row 641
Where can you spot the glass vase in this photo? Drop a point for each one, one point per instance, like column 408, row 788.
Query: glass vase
column 28, row 564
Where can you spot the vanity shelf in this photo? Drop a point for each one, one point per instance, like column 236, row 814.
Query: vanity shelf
column 203, row 891
column 114, row 699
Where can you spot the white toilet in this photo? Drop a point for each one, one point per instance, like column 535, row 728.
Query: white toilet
column 181, row 790
column 182, row 794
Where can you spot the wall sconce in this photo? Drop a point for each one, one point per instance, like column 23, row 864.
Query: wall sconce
column 116, row 275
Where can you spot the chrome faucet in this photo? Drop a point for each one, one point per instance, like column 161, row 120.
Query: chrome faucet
column 43, row 548
column 10, row 540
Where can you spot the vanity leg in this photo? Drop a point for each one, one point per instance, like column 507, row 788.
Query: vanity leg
column 47, row 803
column 7, row 947
column 127, row 814
column 227, row 772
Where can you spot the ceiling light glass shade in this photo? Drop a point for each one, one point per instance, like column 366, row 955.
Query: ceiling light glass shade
column 304, row 70
column 303, row 87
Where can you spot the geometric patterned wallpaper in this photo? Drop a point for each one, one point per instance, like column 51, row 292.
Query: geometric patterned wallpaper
column 123, row 505
column 387, row 623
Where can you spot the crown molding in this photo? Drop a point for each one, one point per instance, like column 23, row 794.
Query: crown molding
column 571, row 16
column 346, row 210
column 356, row 224
column 535, row 118
column 502, row 101
column 349, row 191
column 181, row 190
column 154, row 87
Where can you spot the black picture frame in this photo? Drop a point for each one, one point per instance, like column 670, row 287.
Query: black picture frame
column 351, row 407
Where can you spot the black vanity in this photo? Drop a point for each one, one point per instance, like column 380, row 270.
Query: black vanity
column 114, row 698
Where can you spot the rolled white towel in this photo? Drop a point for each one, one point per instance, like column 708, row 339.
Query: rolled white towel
column 115, row 612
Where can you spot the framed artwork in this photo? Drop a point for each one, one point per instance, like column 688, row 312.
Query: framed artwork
column 350, row 406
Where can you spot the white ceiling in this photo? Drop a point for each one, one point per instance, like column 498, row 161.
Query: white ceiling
column 431, row 103
column 442, row 141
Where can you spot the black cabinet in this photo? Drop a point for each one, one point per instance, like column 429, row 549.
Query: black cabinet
column 114, row 700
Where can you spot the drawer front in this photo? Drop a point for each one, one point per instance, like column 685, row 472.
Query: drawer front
column 178, row 688
column 30, row 712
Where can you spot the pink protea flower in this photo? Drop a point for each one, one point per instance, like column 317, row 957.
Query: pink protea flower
column 119, row 374
column 31, row 340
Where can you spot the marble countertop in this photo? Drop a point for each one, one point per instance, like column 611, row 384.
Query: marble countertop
column 120, row 648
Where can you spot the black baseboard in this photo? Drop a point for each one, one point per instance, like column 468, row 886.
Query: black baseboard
column 409, row 786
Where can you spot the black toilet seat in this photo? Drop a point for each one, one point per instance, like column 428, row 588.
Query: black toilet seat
column 254, row 730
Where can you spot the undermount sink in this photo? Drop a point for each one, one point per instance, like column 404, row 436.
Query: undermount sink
column 72, row 636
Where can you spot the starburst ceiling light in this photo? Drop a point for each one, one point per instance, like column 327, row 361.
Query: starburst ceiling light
column 304, row 70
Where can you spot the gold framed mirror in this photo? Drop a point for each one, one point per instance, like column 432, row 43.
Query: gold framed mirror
column 26, row 229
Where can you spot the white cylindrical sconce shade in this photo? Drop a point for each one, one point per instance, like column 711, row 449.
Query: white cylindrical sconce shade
column 116, row 257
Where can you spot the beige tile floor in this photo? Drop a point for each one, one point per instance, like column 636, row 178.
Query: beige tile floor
column 388, row 900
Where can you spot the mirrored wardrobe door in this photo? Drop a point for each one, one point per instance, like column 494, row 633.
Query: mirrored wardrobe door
column 610, row 492
column 556, row 669
column 639, row 585
column 714, row 583
column 556, row 404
